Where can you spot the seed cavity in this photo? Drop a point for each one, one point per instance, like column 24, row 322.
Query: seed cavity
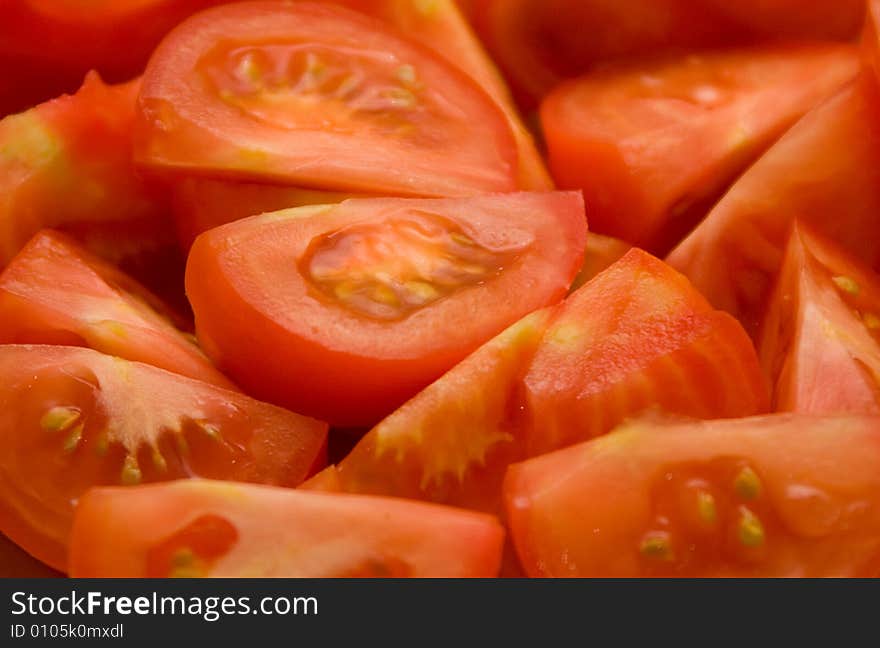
column 60, row 419
column 846, row 284
column 747, row 484
column 750, row 530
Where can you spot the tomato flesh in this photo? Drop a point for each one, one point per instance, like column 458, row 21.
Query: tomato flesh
column 558, row 377
column 203, row 528
column 55, row 292
column 780, row 496
column 653, row 144
column 78, row 419
column 820, row 341
column 318, row 96
column 637, row 338
column 828, row 163
column 362, row 298
column 66, row 164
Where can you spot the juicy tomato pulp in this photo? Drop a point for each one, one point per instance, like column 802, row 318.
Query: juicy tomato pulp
column 344, row 312
column 821, row 338
column 318, row 96
column 654, row 144
column 54, row 292
column 536, row 45
column 636, row 337
column 75, row 419
column 203, row 528
column 828, row 163
column 780, row 496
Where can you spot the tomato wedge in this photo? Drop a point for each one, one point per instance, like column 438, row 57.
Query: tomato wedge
column 67, row 164
column 824, row 171
column 537, row 47
column 55, row 292
column 318, row 96
column 344, row 312
column 779, row 496
column 202, row 528
column 636, row 338
column 439, row 24
column 654, row 143
column 75, row 418
column 453, row 441
column 821, row 338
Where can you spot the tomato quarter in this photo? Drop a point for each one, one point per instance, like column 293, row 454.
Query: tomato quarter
column 344, row 312
column 203, row 528
column 75, row 418
column 318, row 96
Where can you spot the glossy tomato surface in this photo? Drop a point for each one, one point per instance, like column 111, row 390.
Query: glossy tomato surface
column 55, row 292
column 204, row 528
column 778, row 496
column 820, row 341
column 318, row 96
column 344, row 312
column 655, row 142
column 75, row 419
column 824, row 171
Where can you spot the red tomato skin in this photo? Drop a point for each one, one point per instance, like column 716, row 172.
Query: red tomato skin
column 829, row 162
column 285, row 533
column 68, row 166
column 656, row 142
column 637, row 338
column 819, row 340
column 185, row 125
column 55, row 292
column 97, row 420
column 805, row 500
column 329, row 377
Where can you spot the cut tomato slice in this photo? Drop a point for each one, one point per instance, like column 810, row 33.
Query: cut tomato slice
column 439, row 24
column 536, row 45
column 203, row 528
column 779, row 496
column 821, row 338
column 75, row 418
column 318, row 96
column 453, row 441
column 344, row 312
column 67, row 164
column 637, row 338
column 54, row 292
column 654, row 144
column 824, row 171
